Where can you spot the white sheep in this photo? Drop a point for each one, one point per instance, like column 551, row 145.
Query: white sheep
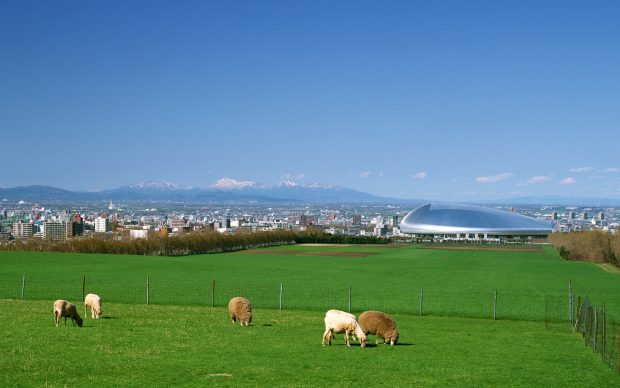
column 62, row 308
column 379, row 324
column 340, row 322
column 240, row 308
column 94, row 302
column 345, row 314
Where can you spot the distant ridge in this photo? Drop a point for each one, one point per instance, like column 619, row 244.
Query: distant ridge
column 226, row 190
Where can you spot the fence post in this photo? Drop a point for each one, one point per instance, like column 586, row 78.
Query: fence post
column 494, row 305
column 213, row 294
column 421, row 299
column 148, row 291
column 570, row 301
column 83, row 287
column 23, row 285
column 349, row 299
column 281, row 296
column 603, row 334
column 595, row 330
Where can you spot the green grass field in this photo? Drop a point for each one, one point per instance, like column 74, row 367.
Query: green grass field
column 137, row 345
column 181, row 340
column 455, row 282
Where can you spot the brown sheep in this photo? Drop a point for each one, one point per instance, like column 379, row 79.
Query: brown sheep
column 94, row 302
column 240, row 308
column 62, row 308
column 379, row 324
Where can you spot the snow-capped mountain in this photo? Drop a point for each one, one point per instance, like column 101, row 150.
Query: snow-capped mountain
column 233, row 184
column 155, row 185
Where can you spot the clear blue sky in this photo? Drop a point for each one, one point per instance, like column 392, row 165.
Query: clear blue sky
column 445, row 100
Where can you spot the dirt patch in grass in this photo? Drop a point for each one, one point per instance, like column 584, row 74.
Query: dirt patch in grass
column 323, row 245
column 496, row 248
column 609, row 268
column 272, row 252
column 341, row 254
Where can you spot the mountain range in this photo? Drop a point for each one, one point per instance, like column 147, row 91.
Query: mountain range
column 225, row 190
column 229, row 190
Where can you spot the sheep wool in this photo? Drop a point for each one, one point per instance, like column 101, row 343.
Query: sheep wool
column 240, row 308
column 379, row 324
column 62, row 308
column 94, row 302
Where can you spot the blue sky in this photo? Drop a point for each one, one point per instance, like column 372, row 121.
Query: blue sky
column 446, row 100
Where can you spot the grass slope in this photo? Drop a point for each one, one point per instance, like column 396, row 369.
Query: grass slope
column 137, row 345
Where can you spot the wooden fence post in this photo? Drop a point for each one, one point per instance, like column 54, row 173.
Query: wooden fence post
column 421, row 299
column 570, row 301
column 23, row 285
column 603, row 334
column 148, row 291
column 349, row 299
column 594, row 330
column 280, row 296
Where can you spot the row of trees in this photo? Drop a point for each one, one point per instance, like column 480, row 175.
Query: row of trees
column 185, row 244
column 597, row 246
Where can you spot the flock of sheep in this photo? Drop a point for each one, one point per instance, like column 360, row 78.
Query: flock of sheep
column 240, row 309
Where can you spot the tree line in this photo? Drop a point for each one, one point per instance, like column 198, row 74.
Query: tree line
column 595, row 245
column 185, row 244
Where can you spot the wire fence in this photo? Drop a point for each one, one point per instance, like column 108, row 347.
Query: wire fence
column 600, row 330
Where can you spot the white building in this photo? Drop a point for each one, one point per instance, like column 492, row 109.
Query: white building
column 101, row 225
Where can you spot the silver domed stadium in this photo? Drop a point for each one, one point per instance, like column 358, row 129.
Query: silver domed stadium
column 450, row 221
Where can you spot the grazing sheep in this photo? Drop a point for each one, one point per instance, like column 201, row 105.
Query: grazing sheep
column 345, row 314
column 62, row 308
column 241, row 309
column 379, row 324
column 94, row 302
column 340, row 322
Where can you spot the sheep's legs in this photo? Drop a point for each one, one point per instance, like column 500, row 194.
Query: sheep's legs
column 327, row 335
column 346, row 338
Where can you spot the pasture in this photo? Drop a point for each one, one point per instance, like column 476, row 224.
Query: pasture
column 180, row 339
column 454, row 282
column 137, row 345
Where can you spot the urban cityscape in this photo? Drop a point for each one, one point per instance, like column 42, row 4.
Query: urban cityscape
column 60, row 221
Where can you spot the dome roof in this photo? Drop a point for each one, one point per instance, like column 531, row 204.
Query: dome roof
column 460, row 218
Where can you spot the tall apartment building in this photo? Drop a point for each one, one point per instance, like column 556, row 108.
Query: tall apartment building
column 101, row 225
column 357, row 219
column 22, row 230
column 55, row 230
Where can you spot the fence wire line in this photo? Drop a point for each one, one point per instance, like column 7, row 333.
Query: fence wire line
column 600, row 331
column 435, row 301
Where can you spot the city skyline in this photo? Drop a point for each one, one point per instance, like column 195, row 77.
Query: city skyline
column 452, row 101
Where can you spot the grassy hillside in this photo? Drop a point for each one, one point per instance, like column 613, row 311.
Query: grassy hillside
column 455, row 282
column 137, row 345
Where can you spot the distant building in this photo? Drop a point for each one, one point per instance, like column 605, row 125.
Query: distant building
column 22, row 230
column 583, row 216
column 357, row 219
column 554, row 216
column 101, row 225
column 571, row 216
column 55, row 230
column 77, row 224
column 601, row 216
column 138, row 233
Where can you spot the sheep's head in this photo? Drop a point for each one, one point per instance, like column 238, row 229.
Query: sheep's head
column 394, row 339
column 362, row 338
column 79, row 321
